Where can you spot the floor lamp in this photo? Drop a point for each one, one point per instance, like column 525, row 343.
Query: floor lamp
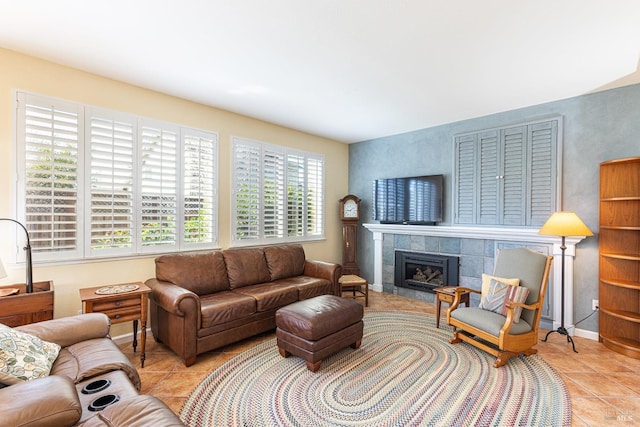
column 564, row 224
column 27, row 248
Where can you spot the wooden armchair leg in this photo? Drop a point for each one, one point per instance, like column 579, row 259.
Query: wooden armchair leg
column 455, row 339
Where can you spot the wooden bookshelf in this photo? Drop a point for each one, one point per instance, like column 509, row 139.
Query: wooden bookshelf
column 619, row 264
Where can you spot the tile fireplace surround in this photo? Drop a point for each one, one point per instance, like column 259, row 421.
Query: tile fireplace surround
column 476, row 247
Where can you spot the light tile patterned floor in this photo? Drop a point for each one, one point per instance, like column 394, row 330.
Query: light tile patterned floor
column 604, row 385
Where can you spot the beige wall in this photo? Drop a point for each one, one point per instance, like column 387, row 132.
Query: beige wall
column 30, row 74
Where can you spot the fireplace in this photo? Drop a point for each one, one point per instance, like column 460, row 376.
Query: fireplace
column 424, row 272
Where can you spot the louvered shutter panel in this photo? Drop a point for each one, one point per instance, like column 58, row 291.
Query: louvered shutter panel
column 514, row 166
column 247, row 189
column 273, row 195
column 465, row 179
column 295, row 195
column 488, row 202
column 111, row 198
column 50, row 132
column 199, row 187
column 315, row 196
column 158, row 186
column 542, row 190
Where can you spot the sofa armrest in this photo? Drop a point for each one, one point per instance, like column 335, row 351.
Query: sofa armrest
column 67, row 331
column 170, row 297
column 324, row 270
column 49, row 401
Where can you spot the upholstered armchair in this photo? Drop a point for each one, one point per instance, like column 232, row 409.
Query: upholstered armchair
column 506, row 322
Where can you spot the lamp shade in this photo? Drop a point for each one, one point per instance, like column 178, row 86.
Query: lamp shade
column 3, row 272
column 565, row 224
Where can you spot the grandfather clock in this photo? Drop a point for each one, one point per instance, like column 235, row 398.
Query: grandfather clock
column 350, row 215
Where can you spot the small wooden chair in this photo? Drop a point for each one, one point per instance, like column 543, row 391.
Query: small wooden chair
column 498, row 334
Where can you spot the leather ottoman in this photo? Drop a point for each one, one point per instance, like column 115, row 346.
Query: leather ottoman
column 316, row 328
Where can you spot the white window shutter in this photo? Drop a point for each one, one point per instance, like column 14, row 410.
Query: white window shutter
column 158, row 215
column 199, row 189
column 315, row 196
column 111, row 175
column 295, row 195
column 247, row 187
column 49, row 132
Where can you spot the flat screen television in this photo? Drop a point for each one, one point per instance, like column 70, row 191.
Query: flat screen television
column 410, row 200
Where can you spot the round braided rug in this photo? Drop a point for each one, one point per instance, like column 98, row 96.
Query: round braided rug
column 405, row 374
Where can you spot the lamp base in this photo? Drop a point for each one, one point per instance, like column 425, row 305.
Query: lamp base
column 562, row 331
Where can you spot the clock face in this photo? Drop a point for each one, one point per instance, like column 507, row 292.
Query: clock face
column 350, row 209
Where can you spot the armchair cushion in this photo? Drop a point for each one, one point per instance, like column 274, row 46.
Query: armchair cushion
column 488, row 321
column 501, row 294
column 24, row 357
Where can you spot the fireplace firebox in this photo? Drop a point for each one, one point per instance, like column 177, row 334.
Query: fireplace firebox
column 424, row 271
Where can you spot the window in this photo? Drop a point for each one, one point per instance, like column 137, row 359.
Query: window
column 278, row 193
column 97, row 183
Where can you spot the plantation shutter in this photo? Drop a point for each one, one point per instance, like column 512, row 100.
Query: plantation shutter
column 295, row 195
column 490, row 172
column 315, row 196
column 514, row 170
column 507, row 176
column 111, row 197
column 273, row 192
column 49, row 133
column 247, row 187
column 542, row 175
column 200, row 202
column 158, row 186
column 465, row 177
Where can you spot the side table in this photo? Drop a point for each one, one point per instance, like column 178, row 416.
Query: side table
column 355, row 285
column 448, row 294
column 121, row 307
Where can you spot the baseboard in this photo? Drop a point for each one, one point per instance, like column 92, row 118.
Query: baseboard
column 583, row 333
column 126, row 338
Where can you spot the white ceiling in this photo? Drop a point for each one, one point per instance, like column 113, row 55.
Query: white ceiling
column 349, row 70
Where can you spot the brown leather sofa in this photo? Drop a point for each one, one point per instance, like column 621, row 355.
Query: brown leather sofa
column 200, row 302
column 88, row 356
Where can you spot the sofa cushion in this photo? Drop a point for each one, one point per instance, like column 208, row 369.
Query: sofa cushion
column 200, row 273
column 246, row 266
column 309, row 287
column 24, row 357
column 270, row 295
column 226, row 306
column 284, row 261
column 93, row 357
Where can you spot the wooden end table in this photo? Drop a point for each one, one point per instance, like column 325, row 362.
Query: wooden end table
column 448, row 294
column 121, row 307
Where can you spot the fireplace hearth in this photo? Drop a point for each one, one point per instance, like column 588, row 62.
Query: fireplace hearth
column 424, row 271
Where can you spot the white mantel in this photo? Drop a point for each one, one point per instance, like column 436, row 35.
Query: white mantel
column 524, row 235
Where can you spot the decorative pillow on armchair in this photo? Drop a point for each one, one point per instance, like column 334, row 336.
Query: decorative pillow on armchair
column 24, row 357
column 500, row 294
column 486, row 283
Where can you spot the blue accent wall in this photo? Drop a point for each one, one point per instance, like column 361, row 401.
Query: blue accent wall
column 596, row 127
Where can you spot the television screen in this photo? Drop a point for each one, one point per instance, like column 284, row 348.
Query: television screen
column 410, row 200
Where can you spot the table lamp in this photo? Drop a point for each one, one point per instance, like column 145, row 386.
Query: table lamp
column 564, row 224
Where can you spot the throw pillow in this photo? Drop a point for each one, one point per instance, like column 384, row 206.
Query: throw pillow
column 486, row 282
column 24, row 357
column 500, row 294
column 516, row 294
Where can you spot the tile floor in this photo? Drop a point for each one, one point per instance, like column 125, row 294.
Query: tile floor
column 604, row 385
